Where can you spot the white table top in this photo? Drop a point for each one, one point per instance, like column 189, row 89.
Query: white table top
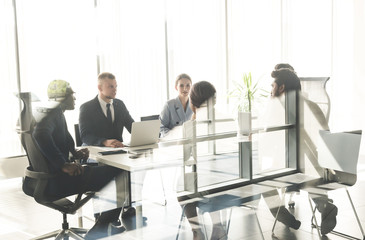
column 137, row 160
column 164, row 154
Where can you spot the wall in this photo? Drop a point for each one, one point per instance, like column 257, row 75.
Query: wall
column 346, row 87
column 12, row 167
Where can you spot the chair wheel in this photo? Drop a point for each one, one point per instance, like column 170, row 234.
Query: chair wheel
column 291, row 204
column 313, row 226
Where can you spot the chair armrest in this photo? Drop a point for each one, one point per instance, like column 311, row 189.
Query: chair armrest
column 38, row 175
column 37, row 191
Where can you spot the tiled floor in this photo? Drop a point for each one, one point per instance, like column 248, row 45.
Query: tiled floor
column 22, row 218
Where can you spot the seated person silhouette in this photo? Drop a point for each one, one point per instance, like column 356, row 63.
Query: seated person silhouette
column 177, row 111
column 201, row 92
column 55, row 142
column 285, row 79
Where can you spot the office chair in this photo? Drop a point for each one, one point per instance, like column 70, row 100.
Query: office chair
column 77, row 135
column 37, row 176
column 338, row 152
column 314, row 88
column 151, row 117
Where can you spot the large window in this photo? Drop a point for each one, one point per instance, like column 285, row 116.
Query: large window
column 308, row 36
column 131, row 44
column 57, row 41
column 9, row 141
column 254, row 37
column 196, row 42
column 147, row 43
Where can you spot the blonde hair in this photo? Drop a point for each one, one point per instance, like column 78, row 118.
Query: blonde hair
column 104, row 75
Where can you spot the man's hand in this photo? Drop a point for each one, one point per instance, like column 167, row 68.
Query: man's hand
column 82, row 154
column 113, row 143
column 73, row 169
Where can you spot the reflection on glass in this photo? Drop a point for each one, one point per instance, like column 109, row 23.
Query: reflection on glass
column 269, row 152
column 273, row 113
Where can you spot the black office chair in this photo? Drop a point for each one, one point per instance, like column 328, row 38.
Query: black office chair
column 37, row 176
column 151, row 117
column 77, row 135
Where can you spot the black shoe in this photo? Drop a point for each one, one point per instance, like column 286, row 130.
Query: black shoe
column 102, row 224
column 285, row 217
column 130, row 212
column 296, row 224
column 113, row 229
column 117, row 223
column 329, row 221
column 109, row 216
column 130, row 222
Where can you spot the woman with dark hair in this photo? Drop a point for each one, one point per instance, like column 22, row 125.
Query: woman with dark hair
column 199, row 95
column 177, row 111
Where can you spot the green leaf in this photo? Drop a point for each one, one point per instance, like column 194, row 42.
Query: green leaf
column 245, row 91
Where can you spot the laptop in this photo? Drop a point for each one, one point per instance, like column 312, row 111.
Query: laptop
column 144, row 133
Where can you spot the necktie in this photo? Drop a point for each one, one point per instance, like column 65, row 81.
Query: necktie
column 109, row 114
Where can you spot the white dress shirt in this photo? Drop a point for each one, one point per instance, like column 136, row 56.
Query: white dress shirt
column 104, row 108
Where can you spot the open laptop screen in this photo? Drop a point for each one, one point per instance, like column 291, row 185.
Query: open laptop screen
column 144, row 133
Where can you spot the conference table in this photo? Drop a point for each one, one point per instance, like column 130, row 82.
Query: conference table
column 176, row 153
column 165, row 154
column 137, row 160
column 180, row 153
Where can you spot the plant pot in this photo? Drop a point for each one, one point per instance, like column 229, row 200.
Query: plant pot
column 244, row 123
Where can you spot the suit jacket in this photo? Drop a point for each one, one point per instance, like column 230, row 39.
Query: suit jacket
column 173, row 114
column 94, row 126
column 54, row 140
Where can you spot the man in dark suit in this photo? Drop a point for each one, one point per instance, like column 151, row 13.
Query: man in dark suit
column 103, row 118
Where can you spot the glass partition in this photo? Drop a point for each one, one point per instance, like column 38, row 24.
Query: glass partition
column 270, row 148
column 220, row 167
column 215, row 155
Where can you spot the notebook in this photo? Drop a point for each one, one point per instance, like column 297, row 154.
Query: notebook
column 144, row 133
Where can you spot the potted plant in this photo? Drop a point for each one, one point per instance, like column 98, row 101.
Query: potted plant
column 245, row 92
